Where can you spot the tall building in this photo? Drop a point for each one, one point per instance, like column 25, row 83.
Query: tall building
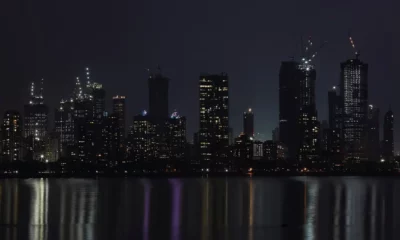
column 309, row 126
column 175, row 131
column 158, row 95
column 36, row 115
column 111, row 140
column 214, row 117
column 298, row 123
column 248, row 123
column 119, row 108
column 335, row 126
column 388, row 139
column 354, row 93
column 289, row 107
column 65, row 125
column 11, row 136
column 145, row 142
column 373, row 145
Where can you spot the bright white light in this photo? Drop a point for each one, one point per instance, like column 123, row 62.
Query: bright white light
column 41, row 156
column 382, row 160
column 207, row 170
column 47, row 161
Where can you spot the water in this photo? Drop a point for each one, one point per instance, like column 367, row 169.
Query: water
column 216, row 208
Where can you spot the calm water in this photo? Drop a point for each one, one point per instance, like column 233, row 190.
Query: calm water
column 231, row 208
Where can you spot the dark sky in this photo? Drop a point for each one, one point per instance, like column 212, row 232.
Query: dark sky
column 118, row 39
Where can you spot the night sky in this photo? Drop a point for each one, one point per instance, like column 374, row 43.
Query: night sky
column 119, row 39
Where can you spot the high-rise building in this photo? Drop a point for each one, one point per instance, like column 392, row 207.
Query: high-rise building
column 36, row 115
column 65, row 125
column 214, row 117
column 373, row 146
column 298, row 123
column 354, row 93
column 248, row 123
column 289, row 107
column 309, row 126
column 335, row 126
column 388, row 139
column 175, row 131
column 119, row 108
column 99, row 100
column 111, row 140
column 11, row 136
column 158, row 95
column 144, row 147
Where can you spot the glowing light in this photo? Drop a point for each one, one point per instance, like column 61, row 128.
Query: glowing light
column 144, row 113
column 175, row 115
column 250, row 169
column 382, row 160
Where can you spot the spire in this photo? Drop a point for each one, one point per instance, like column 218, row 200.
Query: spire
column 32, row 93
column 87, row 77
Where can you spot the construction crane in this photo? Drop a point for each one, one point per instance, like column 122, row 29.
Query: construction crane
column 308, row 57
column 357, row 53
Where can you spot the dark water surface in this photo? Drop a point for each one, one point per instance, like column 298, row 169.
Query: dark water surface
column 214, row 208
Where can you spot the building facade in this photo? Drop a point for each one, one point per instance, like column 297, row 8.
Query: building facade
column 248, row 123
column 388, row 139
column 11, row 136
column 214, row 118
column 119, row 108
column 373, row 145
column 354, row 93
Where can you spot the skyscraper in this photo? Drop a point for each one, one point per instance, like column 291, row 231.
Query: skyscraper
column 11, row 136
column 36, row 115
column 309, row 126
column 289, row 107
column 298, row 123
column 335, row 126
column 65, row 125
column 373, row 145
column 214, row 117
column 388, row 139
column 248, row 123
column 354, row 93
column 158, row 95
column 119, row 109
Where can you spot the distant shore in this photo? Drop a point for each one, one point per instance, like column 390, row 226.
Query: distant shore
column 200, row 175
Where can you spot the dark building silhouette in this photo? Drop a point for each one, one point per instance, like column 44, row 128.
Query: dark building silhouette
column 243, row 148
column 119, row 108
column 158, row 95
column 98, row 100
column 289, row 107
column 298, row 125
column 388, row 139
column 11, row 131
column 373, row 146
column 335, row 126
column 111, row 140
column 275, row 135
column 354, row 93
column 248, row 123
column 309, row 126
column 214, row 117
column 270, row 150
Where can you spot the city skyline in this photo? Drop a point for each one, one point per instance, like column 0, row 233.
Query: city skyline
column 119, row 50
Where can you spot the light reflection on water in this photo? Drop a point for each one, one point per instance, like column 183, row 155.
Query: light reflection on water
column 216, row 208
